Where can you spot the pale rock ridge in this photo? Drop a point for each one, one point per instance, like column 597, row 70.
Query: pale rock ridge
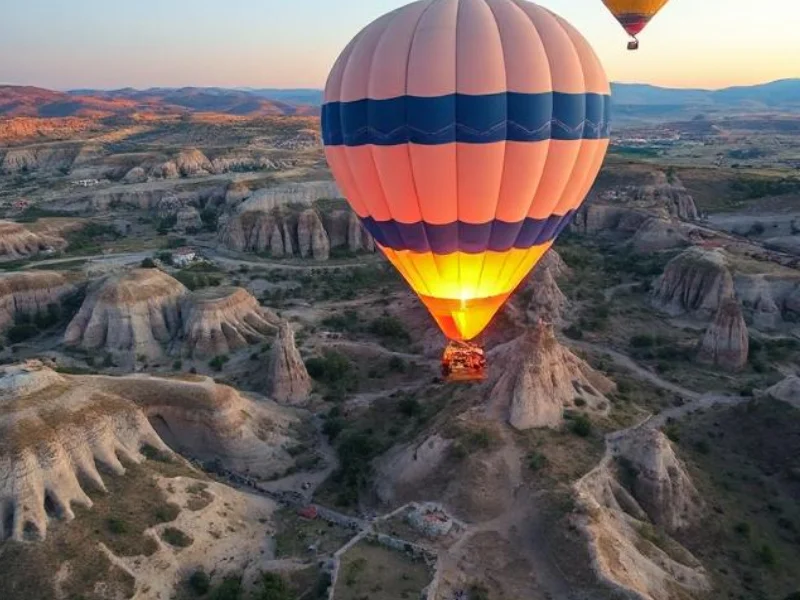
column 726, row 341
column 761, row 297
column 132, row 314
column 192, row 162
column 236, row 193
column 677, row 200
column 20, row 160
column 188, row 219
column 656, row 235
column 697, row 281
column 268, row 199
column 166, row 170
column 358, row 238
column 217, row 321
column 540, row 378
column 312, row 240
column 595, row 218
column 56, row 430
column 614, row 519
column 787, row 391
column 660, row 481
column 289, row 382
column 30, row 293
column 52, row 439
column 547, row 301
column 169, row 206
column 17, row 241
column 135, row 175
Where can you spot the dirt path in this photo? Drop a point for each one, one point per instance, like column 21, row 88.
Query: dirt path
column 628, row 363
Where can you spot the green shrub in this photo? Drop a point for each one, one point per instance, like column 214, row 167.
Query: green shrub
column 148, row 263
column 200, row 582
column 20, row 333
column 573, row 333
column 176, row 537
column 117, row 526
column 581, row 426
column 410, row 407
column 218, row 362
column 273, row 587
column 230, row 589
column 536, row 461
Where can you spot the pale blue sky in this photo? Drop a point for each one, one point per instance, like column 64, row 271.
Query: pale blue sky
column 65, row 44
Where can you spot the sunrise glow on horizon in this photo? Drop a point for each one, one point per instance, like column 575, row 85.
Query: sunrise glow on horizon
column 292, row 44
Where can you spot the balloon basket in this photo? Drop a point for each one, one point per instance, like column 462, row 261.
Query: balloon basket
column 633, row 44
column 463, row 362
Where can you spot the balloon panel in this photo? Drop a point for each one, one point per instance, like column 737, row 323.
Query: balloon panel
column 465, row 134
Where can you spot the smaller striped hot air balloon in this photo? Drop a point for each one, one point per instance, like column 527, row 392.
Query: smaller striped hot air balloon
column 634, row 15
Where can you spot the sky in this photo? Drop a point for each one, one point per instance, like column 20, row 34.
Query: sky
column 68, row 44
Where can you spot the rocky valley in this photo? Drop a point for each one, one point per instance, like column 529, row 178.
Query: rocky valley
column 213, row 385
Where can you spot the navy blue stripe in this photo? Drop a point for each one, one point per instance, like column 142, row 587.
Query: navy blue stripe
column 497, row 236
column 462, row 118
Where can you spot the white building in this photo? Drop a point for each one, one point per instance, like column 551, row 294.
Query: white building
column 184, row 256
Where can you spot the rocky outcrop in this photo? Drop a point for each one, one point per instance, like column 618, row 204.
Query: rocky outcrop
column 539, row 378
column 236, row 193
column 217, row 321
column 284, row 233
column 192, row 162
column 787, row 391
column 135, row 175
column 129, row 315
column 594, row 218
column 547, row 302
column 765, row 298
column 268, row 199
column 312, row 239
column 620, row 536
column 358, row 238
column 53, row 443
column 239, row 163
column 726, row 341
column 656, row 235
column 16, row 241
column 289, row 382
column 166, row 170
column 45, row 158
column 696, row 282
column 31, row 294
column 169, row 206
column 57, row 430
column 658, row 479
column 188, row 220
column 673, row 197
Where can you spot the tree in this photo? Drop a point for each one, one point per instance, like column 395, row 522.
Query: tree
column 148, row 263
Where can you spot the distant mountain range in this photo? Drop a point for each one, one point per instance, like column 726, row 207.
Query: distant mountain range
column 631, row 100
column 20, row 101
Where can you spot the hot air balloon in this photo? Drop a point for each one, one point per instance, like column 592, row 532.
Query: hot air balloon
column 634, row 15
column 465, row 134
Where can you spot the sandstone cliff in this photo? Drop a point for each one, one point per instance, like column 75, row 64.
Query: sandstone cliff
column 640, row 483
column 16, row 241
column 312, row 239
column 656, row 235
column 188, row 219
column 217, row 321
column 726, row 341
column 536, row 378
column 130, row 315
column 697, row 281
column 289, row 382
column 57, row 433
column 31, row 294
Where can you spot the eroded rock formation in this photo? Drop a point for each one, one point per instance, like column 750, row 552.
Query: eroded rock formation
column 726, row 341
column 538, row 378
column 656, row 235
column 618, row 503
column 217, row 321
column 697, row 281
column 312, row 239
column 31, row 294
column 132, row 314
column 188, row 219
column 289, row 381
column 57, row 430
column 16, row 241
column 192, row 162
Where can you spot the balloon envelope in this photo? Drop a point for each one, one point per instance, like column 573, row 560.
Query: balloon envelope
column 634, row 15
column 465, row 134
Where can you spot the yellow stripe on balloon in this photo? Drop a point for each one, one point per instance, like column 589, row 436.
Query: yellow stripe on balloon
column 464, row 291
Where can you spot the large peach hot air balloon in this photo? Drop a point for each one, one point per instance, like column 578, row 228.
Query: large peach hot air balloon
column 465, row 134
column 634, row 15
